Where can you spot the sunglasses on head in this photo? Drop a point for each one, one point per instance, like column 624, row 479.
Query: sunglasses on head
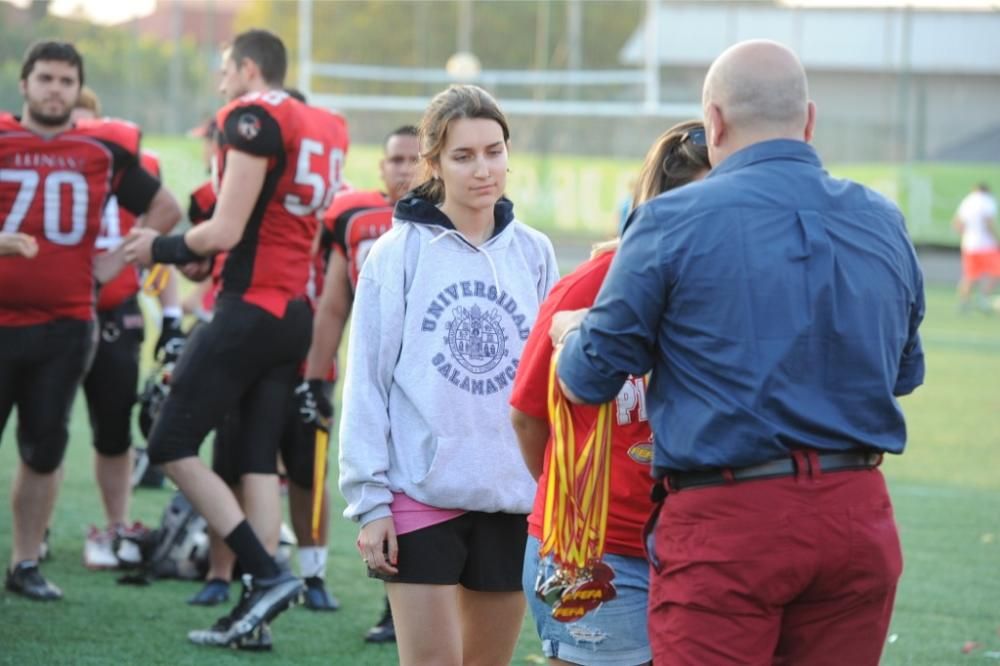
column 695, row 136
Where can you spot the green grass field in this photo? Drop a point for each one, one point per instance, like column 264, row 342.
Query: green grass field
column 579, row 196
column 946, row 490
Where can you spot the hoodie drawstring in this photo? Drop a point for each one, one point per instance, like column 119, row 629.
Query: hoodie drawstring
column 483, row 252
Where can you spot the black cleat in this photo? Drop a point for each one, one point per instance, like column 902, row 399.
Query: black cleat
column 214, row 592
column 315, row 597
column 384, row 631
column 258, row 640
column 261, row 601
column 25, row 579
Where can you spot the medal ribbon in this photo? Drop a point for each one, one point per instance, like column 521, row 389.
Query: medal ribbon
column 578, row 488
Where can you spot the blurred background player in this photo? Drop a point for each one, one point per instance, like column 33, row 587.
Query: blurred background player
column 278, row 163
column 975, row 220
column 351, row 226
column 110, row 384
column 56, row 182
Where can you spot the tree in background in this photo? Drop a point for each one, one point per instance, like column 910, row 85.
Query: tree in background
column 130, row 72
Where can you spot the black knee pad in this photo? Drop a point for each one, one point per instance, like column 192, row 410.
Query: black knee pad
column 165, row 448
column 110, row 389
column 42, row 458
column 257, row 460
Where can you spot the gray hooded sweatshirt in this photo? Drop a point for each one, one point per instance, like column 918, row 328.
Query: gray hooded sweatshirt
column 438, row 327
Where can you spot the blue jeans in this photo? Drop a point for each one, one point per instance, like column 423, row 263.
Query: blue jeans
column 614, row 634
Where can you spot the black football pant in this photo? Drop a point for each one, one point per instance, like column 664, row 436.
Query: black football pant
column 41, row 367
column 245, row 359
column 297, row 444
column 110, row 385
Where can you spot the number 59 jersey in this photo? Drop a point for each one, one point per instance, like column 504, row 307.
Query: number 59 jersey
column 55, row 189
column 305, row 148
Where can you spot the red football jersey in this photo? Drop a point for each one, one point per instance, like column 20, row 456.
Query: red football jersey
column 202, row 203
column 305, row 147
column 632, row 439
column 117, row 223
column 355, row 220
column 55, row 189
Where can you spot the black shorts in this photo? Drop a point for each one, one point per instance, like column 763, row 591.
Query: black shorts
column 483, row 552
column 110, row 384
column 245, row 359
column 40, row 371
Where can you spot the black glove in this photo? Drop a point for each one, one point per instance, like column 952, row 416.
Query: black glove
column 171, row 340
column 314, row 407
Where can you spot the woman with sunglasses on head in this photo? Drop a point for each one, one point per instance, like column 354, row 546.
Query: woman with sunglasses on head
column 617, row 634
column 429, row 463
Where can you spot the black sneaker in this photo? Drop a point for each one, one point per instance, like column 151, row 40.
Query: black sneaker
column 259, row 640
column 315, row 597
column 261, row 601
column 384, row 630
column 25, row 579
column 214, row 592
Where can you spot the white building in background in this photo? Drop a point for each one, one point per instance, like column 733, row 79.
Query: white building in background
column 890, row 84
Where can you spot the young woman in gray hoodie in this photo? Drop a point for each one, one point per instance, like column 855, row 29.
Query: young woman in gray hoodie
column 429, row 463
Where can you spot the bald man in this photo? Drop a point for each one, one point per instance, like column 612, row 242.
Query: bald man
column 777, row 309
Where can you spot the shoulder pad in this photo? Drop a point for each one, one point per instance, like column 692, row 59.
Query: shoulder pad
column 344, row 201
column 150, row 161
column 8, row 123
column 266, row 100
column 119, row 132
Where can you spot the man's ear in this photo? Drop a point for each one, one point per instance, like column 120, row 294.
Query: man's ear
column 810, row 121
column 716, row 124
column 249, row 68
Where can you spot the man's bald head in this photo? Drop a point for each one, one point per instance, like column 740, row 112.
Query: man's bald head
column 760, row 91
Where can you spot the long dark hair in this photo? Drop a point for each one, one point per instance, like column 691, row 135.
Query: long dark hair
column 675, row 158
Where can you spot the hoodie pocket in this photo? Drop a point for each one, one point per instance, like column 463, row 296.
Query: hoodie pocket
column 445, row 461
column 465, row 476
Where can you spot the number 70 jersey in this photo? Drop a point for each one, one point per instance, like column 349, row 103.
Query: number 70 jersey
column 305, row 148
column 54, row 189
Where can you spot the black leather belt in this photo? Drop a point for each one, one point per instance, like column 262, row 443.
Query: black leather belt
column 828, row 462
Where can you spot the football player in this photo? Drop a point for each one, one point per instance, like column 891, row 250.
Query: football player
column 110, row 384
column 280, row 162
column 55, row 180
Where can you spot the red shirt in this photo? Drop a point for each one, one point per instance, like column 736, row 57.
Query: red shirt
column 55, row 189
column 305, row 148
column 117, row 223
column 355, row 220
column 632, row 448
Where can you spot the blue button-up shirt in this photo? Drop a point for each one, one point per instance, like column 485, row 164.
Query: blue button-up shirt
column 776, row 306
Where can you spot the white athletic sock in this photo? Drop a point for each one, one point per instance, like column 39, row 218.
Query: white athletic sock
column 312, row 561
